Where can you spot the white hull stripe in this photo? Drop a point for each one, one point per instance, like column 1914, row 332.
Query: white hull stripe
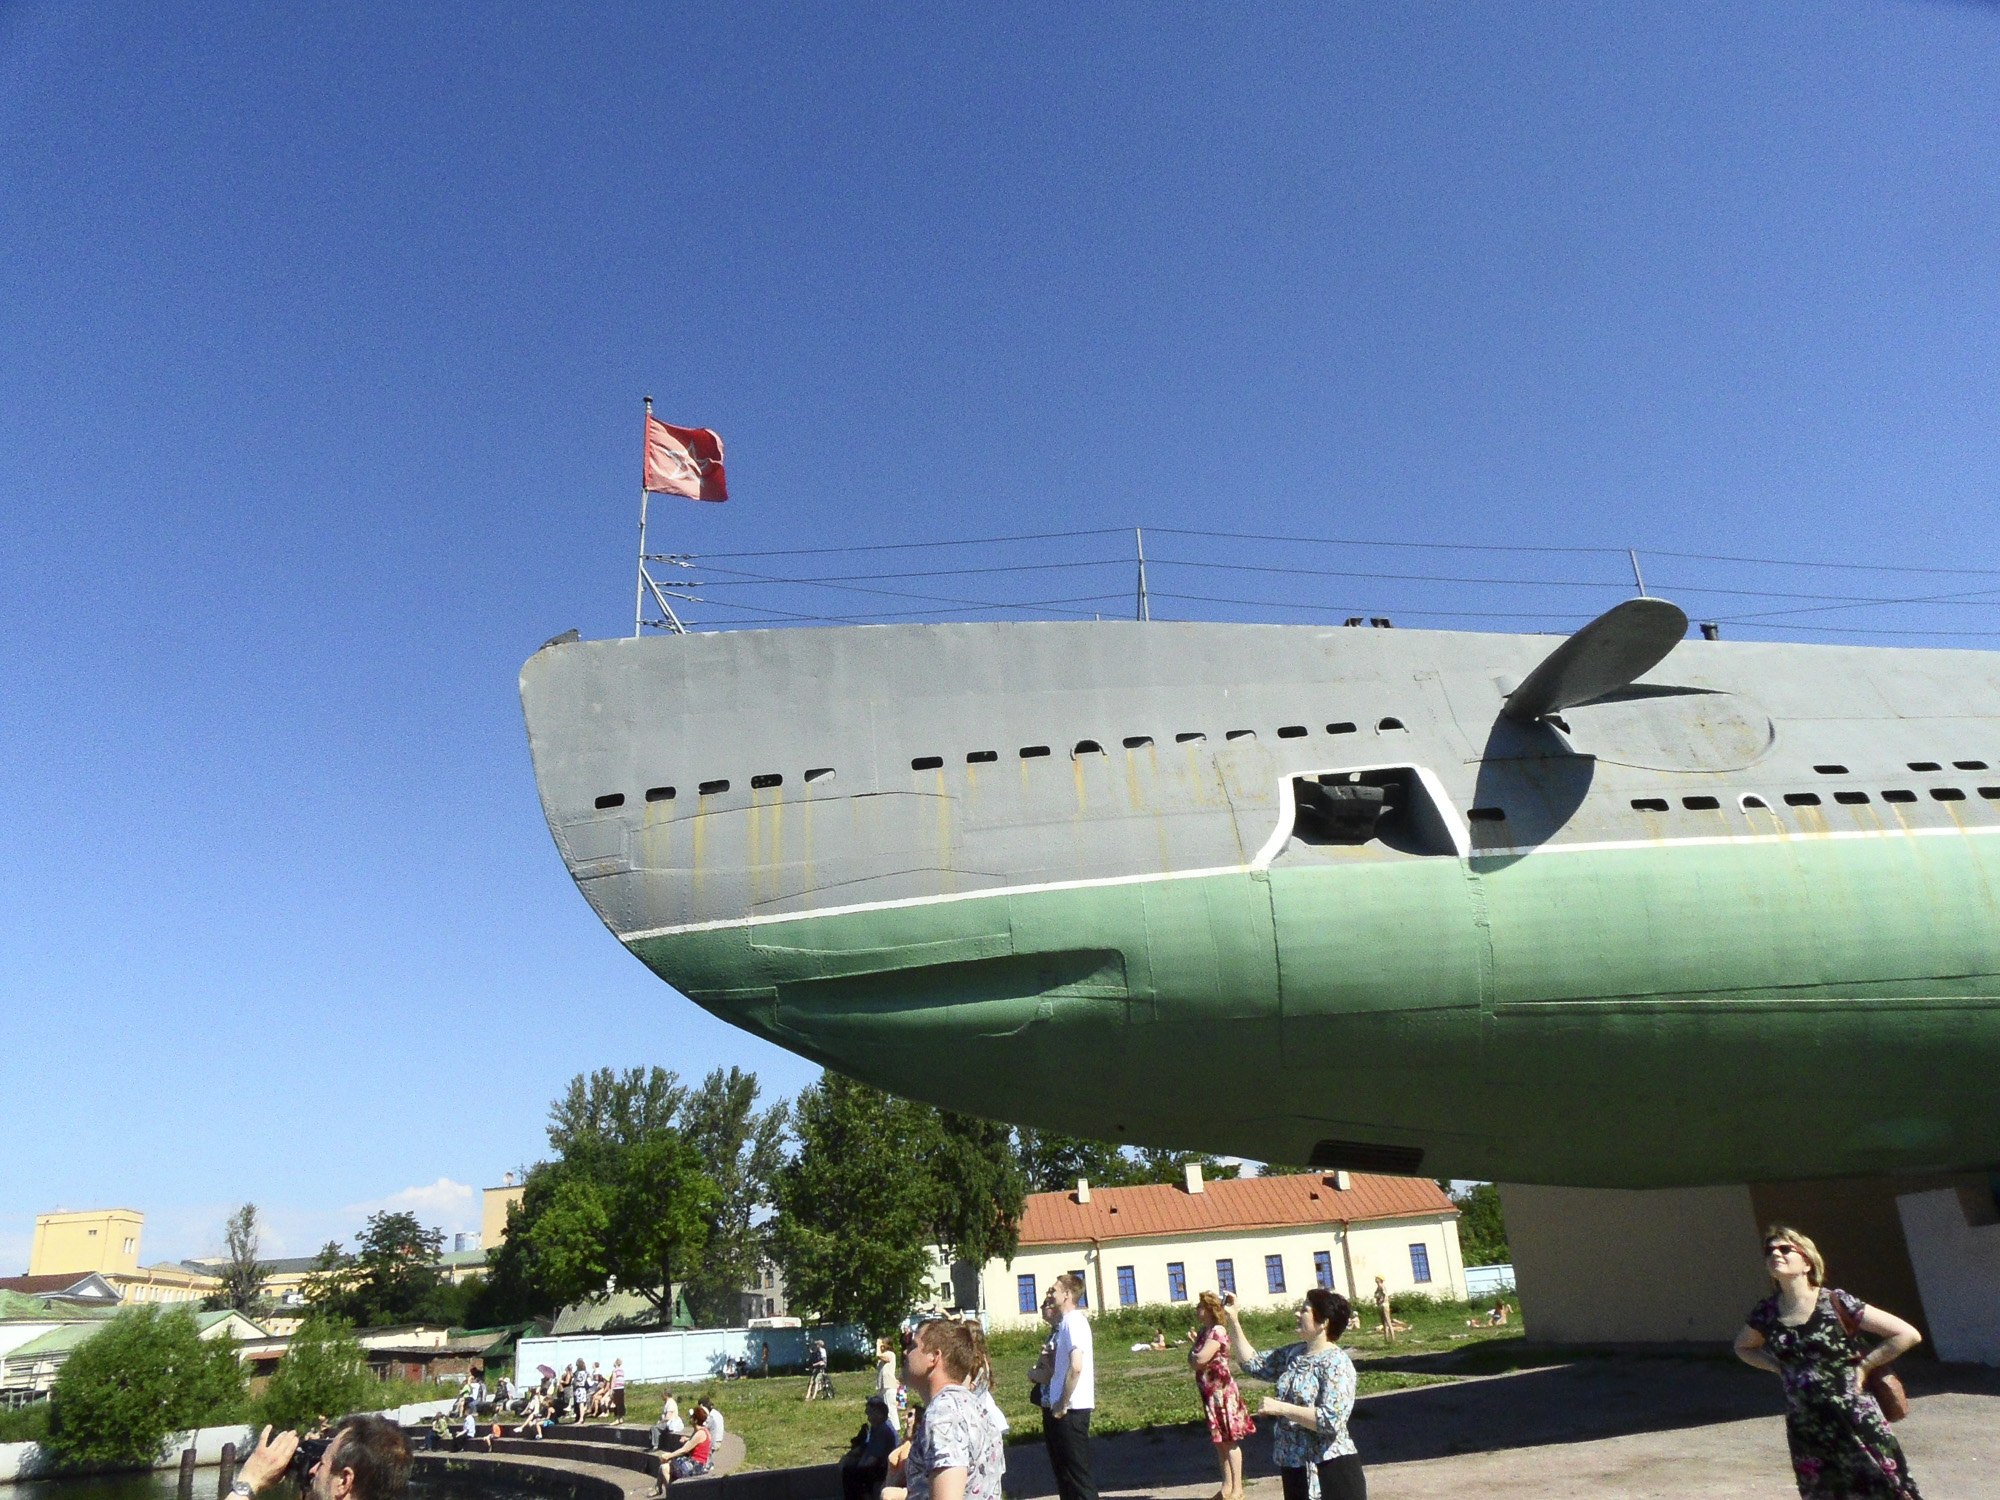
column 1263, row 863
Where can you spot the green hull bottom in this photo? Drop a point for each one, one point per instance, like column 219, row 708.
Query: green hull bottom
column 1640, row 1016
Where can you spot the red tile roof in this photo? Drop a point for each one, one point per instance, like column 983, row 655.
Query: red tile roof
column 1123, row 1213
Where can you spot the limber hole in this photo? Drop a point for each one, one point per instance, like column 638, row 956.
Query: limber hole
column 1851, row 799
column 768, row 780
column 1802, row 799
column 611, row 799
column 659, row 794
column 1947, row 794
column 1650, row 804
column 927, row 763
column 1487, row 814
column 710, row 788
column 1033, row 752
column 1137, row 741
column 982, row 757
column 1291, row 731
column 1700, row 804
column 1899, row 795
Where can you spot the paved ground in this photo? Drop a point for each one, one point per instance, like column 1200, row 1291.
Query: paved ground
column 1617, row 1428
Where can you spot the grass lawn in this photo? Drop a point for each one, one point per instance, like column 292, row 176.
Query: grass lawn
column 1134, row 1390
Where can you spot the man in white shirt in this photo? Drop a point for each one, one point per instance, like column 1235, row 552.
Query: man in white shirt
column 1070, row 1395
column 715, row 1426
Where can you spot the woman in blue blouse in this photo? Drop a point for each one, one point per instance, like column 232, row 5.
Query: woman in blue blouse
column 1315, row 1394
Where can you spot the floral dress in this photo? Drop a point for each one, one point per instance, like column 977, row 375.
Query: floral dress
column 1842, row 1448
column 1228, row 1418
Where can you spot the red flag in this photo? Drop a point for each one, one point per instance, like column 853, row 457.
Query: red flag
column 683, row 461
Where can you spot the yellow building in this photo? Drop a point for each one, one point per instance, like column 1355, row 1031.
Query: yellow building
column 105, row 1240
column 493, row 1206
column 1265, row 1238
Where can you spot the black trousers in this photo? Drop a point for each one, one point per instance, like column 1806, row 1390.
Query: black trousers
column 1069, row 1454
column 1339, row 1479
column 862, row 1481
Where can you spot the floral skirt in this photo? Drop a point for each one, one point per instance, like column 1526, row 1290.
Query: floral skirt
column 1228, row 1418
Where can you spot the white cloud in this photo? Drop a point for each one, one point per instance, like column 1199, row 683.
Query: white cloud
column 443, row 1204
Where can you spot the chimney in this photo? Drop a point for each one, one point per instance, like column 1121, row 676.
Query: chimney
column 1341, row 1182
column 1083, row 1190
column 1193, row 1172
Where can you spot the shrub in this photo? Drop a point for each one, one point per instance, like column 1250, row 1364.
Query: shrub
column 323, row 1374
column 145, row 1374
column 27, row 1424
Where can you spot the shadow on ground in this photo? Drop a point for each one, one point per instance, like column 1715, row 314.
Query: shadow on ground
column 1573, row 1398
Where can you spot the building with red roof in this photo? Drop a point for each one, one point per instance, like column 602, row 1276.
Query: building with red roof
column 1266, row 1238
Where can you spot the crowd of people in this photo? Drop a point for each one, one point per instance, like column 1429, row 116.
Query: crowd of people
column 935, row 1432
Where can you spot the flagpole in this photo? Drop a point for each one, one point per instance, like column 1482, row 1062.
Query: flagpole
column 639, row 585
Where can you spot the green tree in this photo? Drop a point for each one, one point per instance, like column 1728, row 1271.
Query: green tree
column 146, row 1374
column 742, row 1149
column 1482, row 1231
column 613, row 1108
column 323, row 1374
column 1054, row 1162
column 242, row 1276
column 627, row 1200
column 855, row 1207
column 393, row 1276
column 978, row 1185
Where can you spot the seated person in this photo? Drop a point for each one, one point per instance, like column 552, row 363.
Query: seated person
column 692, row 1458
column 864, row 1468
column 439, row 1434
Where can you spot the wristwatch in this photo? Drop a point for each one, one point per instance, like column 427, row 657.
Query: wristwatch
column 241, row 1490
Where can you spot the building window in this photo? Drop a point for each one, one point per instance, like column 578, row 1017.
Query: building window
column 1176, row 1281
column 130, row 1245
column 1225, row 1276
column 1128, row 1287
column 1082, row 1289
column 1323, row 1268
column 1420, row 1264
column 770, row 1307
column 1274, row 1272
column 1029, row 1301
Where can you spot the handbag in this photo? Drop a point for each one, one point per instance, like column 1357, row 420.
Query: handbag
column 1881, row 1382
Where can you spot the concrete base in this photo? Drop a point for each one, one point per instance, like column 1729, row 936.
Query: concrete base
column 1602, row 1266
column 1954, row 1242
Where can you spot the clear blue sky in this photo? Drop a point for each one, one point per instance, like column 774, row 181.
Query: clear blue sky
column 322, row 334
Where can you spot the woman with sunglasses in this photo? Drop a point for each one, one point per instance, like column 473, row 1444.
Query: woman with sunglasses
column 1315, row 1395
column 1841, row 1445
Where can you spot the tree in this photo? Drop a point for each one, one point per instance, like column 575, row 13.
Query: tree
column 242, row 1276
column 978, row 1185
column 1482, row 1232
column 1054, row 1162
column 323, row 1374
column 627, row 1200
column 855, row 1205
column 612, row 1108
column 741, row 1148
column 393, row 1277
column 146, row 1374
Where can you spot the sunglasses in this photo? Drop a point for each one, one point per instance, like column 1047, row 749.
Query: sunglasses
column 1781, row 1250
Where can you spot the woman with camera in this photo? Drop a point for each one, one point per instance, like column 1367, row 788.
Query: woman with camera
column 1315, row 1394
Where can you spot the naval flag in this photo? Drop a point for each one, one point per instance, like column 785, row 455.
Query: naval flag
column 683, row 461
